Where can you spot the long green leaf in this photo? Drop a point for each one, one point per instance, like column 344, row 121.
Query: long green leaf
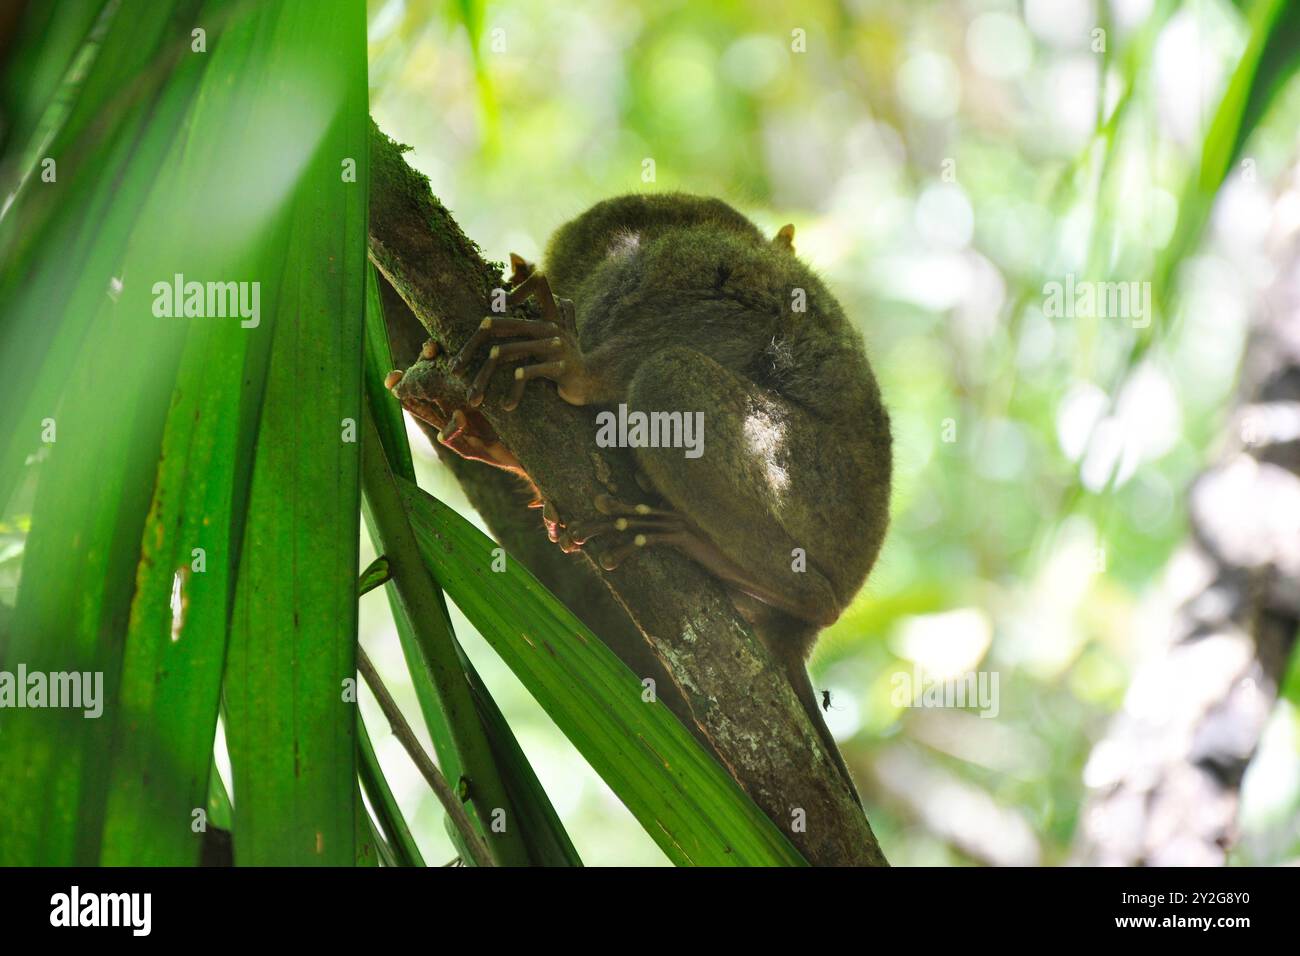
column 687, row 803
column 371, row 845
column 405, row 852
column 378, row 363
column 292, row 654
column 108, row 153
column 220, row 811
column 176, row 647
column 101, row 398
column 544, row 833
column 50, row 41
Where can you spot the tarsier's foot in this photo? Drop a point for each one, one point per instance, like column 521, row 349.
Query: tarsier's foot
column 637, row 526
column 643, row 526
column 552, row 342
column 556, row 529
column 461, row 428
column 646, row 525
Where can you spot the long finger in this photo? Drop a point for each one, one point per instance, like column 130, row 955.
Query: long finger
column 491, row 328
column 505, row 353
column 526, row 374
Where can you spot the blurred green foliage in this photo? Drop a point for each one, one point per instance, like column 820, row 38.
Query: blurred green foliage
column 942, row 163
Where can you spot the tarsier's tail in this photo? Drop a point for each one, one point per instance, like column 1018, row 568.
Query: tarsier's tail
column 789, row 653
column 803, row 688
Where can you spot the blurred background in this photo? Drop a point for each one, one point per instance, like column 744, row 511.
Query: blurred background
column 944, row 164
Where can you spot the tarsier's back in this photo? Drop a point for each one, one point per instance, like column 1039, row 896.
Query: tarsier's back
column 688, row 303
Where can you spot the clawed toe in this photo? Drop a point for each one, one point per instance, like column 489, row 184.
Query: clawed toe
column 645, row 524
column 609, row 505
column 498, row 354
column 611, row 559
column 453, row 428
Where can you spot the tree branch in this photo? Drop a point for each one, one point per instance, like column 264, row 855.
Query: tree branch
column 423, row 762
column 737, row 695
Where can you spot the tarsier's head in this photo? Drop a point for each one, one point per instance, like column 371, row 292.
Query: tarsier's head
column 622, row 226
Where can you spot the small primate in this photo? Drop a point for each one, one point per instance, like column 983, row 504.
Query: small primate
column 826, row 700
column 678, row 303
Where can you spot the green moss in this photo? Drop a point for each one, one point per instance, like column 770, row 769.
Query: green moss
column 395, row 184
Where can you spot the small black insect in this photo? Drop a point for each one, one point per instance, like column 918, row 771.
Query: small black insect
column 826, row 702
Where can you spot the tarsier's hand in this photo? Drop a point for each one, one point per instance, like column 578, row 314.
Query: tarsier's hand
column 443, row 395
column 551, row 342
column 437, row 398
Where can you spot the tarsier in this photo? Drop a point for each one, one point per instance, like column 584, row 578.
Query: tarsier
column 678, row 303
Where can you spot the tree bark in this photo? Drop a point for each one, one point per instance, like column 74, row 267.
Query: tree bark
column 728, row 684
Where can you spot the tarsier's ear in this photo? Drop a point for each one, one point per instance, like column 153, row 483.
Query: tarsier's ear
column 784, row 239
column 520, row 269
